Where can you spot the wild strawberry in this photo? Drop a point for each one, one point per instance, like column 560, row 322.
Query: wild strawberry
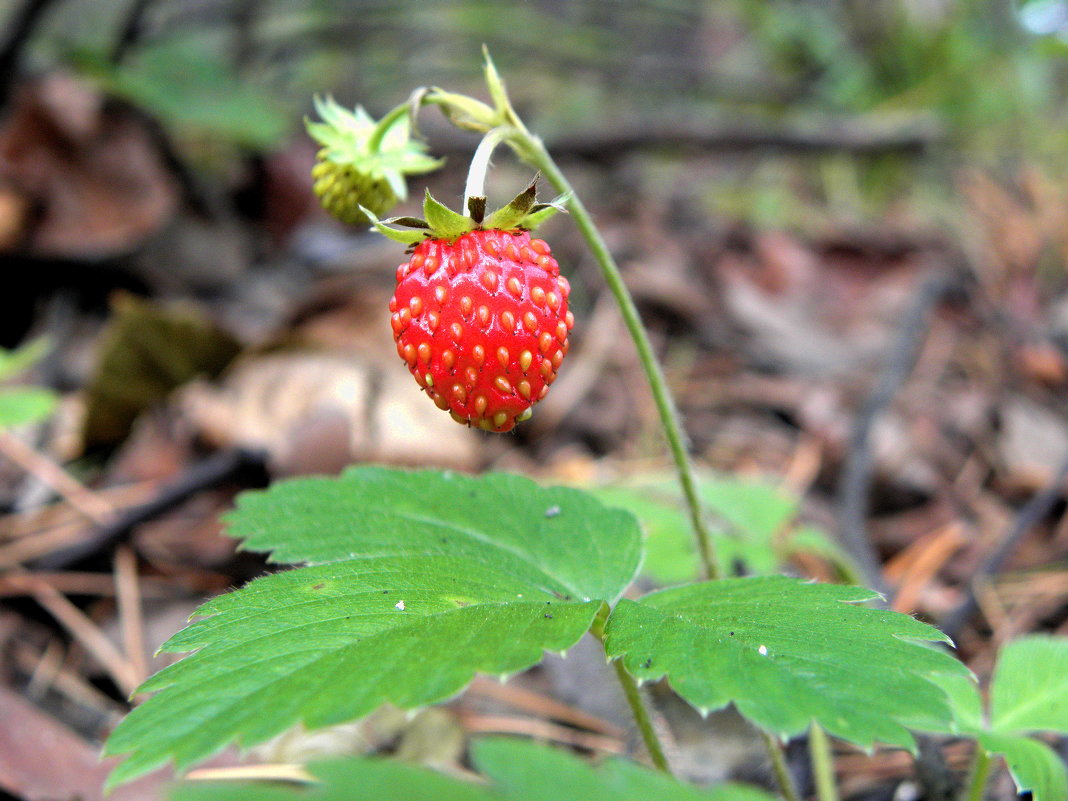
column 480, row 314
column 363, row 163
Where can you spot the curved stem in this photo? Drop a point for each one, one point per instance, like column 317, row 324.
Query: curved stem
column 778, row 764
column 822, row 763
column 633, row 694
column 476, row 173
column 531, row 150
column 976, row 786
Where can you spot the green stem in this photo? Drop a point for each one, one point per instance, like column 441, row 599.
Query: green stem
column 374, row 142
column 778, row 764
column 633, row 694
column 530, row 149
column 822, row 763
column 976, row 786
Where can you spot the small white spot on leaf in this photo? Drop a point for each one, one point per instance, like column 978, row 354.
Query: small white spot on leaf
column 400, row 605
column 552, row 511
column 763, row 650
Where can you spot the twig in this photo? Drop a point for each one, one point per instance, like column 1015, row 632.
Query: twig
column 548, row 707
column 131, row 617
column 1029, row 516
column 544, row 729
column 855, row 484
column 20, row 32
column 132, row 30
column 216, row 469
column 41, row 467
column 82, row 629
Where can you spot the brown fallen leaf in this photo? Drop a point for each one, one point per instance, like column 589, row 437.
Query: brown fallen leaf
column 315, row 412
column 91, row 171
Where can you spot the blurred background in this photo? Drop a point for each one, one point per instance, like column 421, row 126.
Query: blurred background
column 844, row 221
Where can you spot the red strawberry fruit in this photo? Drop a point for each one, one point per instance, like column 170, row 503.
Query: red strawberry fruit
column 480, row 314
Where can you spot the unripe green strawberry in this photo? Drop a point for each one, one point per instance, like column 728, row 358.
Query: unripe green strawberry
column 480, row 314
column 363, row 162
column 343, row 188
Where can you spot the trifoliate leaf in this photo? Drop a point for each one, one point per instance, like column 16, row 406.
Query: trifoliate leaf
column 788, row 653
column 1035, row 767
column 22, row 405
column 1029, row 691
column 418, row 581
column 516, row 770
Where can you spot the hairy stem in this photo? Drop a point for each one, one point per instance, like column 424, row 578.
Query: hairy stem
column 531, row 150
column 778, row 764
column 633, row 694
column 973, row 790
column 822, row 763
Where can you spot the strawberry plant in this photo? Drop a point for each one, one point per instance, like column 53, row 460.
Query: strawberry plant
column 404, row 585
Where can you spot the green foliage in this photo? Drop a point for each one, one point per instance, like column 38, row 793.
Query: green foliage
column 190, row 84
column 788, row 653
column 1028, row 693
column 22, row 405
column 517, row 770
column 415, row 582
column 754, row 526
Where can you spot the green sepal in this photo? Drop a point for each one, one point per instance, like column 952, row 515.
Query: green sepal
column 404, row 237
column 540, row 212
column 510, row 216
column 465, row 112
column 443, row 221
column 495, row 84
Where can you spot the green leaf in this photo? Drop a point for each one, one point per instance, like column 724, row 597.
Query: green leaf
column 965, row 704
column 1034, row 765
column 521, row 771
column 418, row 580
column 190, row 84
column 756, row 514
column 670, row 554
column 13, row 362
column 788, row 653
column 345, row 780
column 445, row 223
column 518, row 770
column 22, row 405
column 1029, row 691
column 757, row 508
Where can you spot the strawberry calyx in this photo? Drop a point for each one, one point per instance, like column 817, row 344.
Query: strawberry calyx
column 523, row 213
